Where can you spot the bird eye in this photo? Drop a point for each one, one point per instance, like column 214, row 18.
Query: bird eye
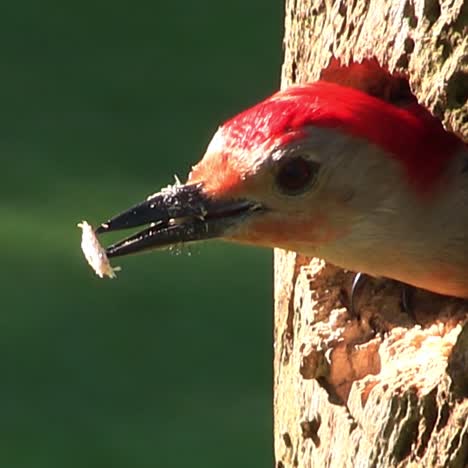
column 295, row 175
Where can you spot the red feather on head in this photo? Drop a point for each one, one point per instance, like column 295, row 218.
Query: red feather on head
column 409, row 134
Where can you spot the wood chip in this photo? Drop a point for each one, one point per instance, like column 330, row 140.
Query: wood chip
column 94, row 253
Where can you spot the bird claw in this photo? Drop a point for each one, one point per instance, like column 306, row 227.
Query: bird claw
column 358, row 282
column 406, row 298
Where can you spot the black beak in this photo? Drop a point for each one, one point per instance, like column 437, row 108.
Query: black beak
column 177, row 214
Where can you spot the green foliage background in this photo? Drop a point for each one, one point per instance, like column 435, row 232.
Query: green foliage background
column 170, row 364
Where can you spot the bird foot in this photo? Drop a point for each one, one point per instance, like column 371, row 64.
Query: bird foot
column 406, row 297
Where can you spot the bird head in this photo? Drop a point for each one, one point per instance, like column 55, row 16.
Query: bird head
column 302, row 170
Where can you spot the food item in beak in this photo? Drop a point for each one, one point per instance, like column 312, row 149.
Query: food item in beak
column 94, row 253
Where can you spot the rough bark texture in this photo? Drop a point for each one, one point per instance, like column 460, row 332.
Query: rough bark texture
column 344, row 395
column 425, row 40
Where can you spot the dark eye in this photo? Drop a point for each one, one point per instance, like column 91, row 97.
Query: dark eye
column 295, row 175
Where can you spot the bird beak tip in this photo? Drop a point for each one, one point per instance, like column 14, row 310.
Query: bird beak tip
column 102, row 228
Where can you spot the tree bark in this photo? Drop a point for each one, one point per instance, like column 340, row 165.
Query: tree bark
column 344, row 395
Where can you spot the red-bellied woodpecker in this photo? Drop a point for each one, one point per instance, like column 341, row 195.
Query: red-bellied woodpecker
column 327, row 171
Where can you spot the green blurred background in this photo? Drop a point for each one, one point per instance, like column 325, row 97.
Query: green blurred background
column 170, row 364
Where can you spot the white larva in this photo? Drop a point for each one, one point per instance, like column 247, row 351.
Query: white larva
column 94, row 253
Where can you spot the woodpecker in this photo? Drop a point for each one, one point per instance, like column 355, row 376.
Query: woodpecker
column 327, row 171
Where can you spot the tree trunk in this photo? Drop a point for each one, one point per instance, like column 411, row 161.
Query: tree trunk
column 344, row 395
